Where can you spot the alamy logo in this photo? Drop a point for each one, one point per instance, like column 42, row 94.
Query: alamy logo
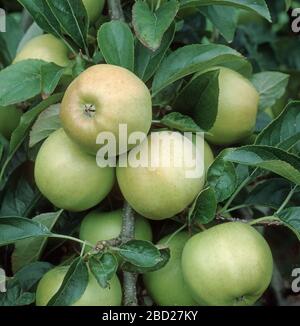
column 2, row 21
column 296, row 21
column 296, row 281
column 2, row 281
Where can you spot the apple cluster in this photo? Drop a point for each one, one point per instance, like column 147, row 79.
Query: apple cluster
column 228, row 264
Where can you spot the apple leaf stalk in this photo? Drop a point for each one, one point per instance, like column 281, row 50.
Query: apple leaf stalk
column 128, row 225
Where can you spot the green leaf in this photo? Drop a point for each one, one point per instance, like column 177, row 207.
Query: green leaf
column 258, row 6
column 73, row 285
column 29, row 275
column 291, row 218
column 270, row 193
column 147, row 61
column 50, row 77
column 116, row 43
column 30, row 250
column 200, row 99
column 204, row 208
column 165, row 255
column 43, row 16
column 47, row 122
column 224, row 18
column 18, row 228
column 150, row 26
column 190, row 59
column 269, row 158
column 284, row 131
column 178, row 121
column 10, row 39
column 103, row 267
column 19, row 200
column 72, row 18
column 15, row 295
column 271, row 86
column 222, row 177
column 140, row 253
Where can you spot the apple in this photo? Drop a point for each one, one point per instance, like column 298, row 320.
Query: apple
column 45, row 47
column 99, row 226
column 10, row 118
column 93, row 8
column 158, row 190
column 94, row 294
column 237, row 109
column 68, row 177
column 166, row 286
column 99, row 100
column 227, row 265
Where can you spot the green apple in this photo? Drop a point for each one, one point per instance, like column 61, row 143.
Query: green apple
column 94, row 8
column 94, row 294
column 99, row 100
column 166, row 286
column 158, row 190
column 237, row 109
column 68, row 177
column 45, row 47
column 10, row 118
column 228, row 265
column 99, row 226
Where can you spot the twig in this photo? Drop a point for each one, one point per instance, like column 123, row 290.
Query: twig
column 129, row 279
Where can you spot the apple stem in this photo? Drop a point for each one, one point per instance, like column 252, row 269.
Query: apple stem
column 115, row 10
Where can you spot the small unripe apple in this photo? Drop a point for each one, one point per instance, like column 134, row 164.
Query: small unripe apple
column 99, row 100
column 228, row 265
column 69, row 178
column 45, row 47
column 237, row 109
column 99, row 226
column 166, row 286
column 9, row 120
column 206, row 150
column 94, row 294
column 161, row 190
column 93, row 8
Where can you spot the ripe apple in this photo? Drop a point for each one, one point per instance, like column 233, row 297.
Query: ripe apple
column 99, row 100
column 166, row 286
column 161, row 190
column 94, row 294
column 68, row 177
column 229, row 264
column 98, row 226
column 9, row 120
column 237, row 109
column 45, row 47
column 93, row 8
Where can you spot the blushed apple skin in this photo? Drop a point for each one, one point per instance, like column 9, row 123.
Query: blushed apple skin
column 228, row 265
column 10, row 118
column 45, row 47
column 94, row 8
column 237, row 109
column 166, row 286
column 94, row 294
column 161, row 192
column 116, row 95
column 99, row 226
column 69, row 178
